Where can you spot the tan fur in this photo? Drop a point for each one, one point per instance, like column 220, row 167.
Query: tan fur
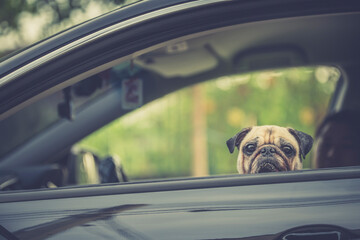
column 275, row 137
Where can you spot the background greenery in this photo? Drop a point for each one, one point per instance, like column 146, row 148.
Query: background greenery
column 23, row 22
column 155, row 141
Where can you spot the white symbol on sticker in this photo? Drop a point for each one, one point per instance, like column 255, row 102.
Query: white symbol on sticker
column 132, row 93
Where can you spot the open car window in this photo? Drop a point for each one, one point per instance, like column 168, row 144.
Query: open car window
column 168, row 111
column 184, row 133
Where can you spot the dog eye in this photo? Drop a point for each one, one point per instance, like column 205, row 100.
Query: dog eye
column 287, row 150
column 250, row 148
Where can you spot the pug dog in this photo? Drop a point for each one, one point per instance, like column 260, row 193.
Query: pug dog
column 270, row 149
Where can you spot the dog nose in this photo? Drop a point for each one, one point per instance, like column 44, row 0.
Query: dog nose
column 267, row 151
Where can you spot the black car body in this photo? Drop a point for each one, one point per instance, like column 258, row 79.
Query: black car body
column 228, row 37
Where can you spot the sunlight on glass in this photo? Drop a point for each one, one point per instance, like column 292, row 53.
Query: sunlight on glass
column 265, row 79
column 324, row 74
column 227, row 82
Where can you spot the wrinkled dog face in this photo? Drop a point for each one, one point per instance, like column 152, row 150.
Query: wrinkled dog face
column 270, row 149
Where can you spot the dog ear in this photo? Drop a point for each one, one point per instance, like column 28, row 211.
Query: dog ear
column 236, row 140
column 305, row 141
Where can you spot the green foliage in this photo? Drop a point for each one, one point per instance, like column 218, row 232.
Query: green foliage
column 156, row 140
column 24, row 22
column 11, row 11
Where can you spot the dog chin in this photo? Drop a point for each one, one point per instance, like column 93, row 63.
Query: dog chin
column 268, row 165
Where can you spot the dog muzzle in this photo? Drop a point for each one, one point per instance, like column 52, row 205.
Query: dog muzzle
column 267, row 161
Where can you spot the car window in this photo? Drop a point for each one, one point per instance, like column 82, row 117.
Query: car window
column 179, row 134
column 184, row 133
column 170, row 111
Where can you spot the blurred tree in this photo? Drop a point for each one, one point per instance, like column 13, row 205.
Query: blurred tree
column 11, row 10
column 199, row 143
column 23, row 22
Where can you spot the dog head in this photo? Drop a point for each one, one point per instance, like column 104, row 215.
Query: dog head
column 270, row 149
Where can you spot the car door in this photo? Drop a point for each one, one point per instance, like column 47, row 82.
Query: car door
column 307, row 204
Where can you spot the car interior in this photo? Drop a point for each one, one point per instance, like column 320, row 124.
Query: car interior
column 48, row 142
